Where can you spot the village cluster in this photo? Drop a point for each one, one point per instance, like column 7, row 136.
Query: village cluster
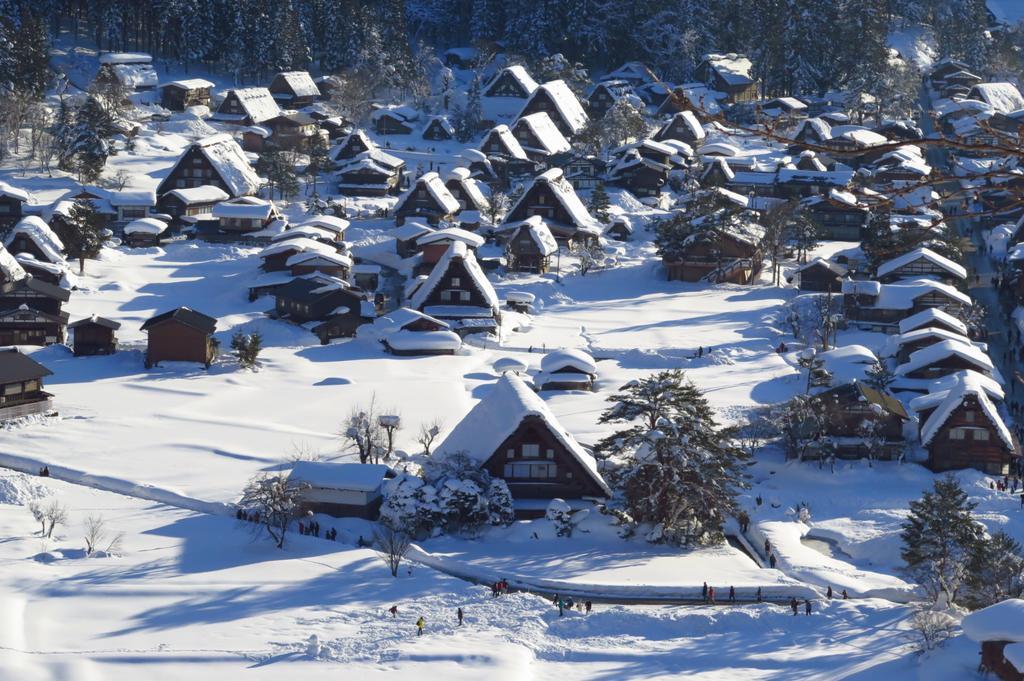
column 899, row 287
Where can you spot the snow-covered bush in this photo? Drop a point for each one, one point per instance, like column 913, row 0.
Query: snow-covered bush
column 564, row 518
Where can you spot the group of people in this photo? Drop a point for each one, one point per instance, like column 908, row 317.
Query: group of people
column 772, row 560
column 569, row 604
column 708, row 594
column 828, row 594
column 248, row 516
column 499, row 587
column 794, row 605
column 312, row 529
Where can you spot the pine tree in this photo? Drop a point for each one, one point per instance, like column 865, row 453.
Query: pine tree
column 30, row 45
column 941, row 540
column 879, row 376
column 247, row 348
column 997, row 572
column 599, row 204
column 674, row 468
column 83, row 232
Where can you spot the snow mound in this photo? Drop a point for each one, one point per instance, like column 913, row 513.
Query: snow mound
column 19, row 489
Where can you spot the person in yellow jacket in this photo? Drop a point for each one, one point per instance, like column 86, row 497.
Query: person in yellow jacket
column 420, row 623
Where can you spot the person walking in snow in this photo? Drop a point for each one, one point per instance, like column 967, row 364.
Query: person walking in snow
column 828, row 594
column 771, row 560
column 711, row 595
column 807, row 606
column 588, row 605
column 845, row 595
column 794, row 606
column 393, row 610
column 420, row 623
column 767, row 547
column 732, row 594
column 458, row 613
column 758, row 594
column 704, row 593
column 561, row 606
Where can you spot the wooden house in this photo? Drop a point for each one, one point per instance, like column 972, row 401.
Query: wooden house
column 585, row 171
column 132, row 72
column 567, row 369
column 848, row 406
column 636, row 73
column 329, row 310
column 275, row 257
column 428, row 199
column 94, row 336
column 439, row 129
column 10, row 268
column 812, row 131
column 820, row 275
column 406, row 236
column 179, row 203
column 458, row 292
column 604, row 95
column 12, row 205
column 838, row 215
column 32, row 235
column 335, row 226
column 560, row 103
column 371, row 173
column 131, row 204
column 462, row 57
column 639, row 173
column 512, row 434
column 291, row 131
column 539, row 137
column 932, row 317
column 729, row 73
column 620, row 229
column 354, row 144
column 30, row 312
column 180, row 335
column 499, row 141
column 944, row 67
column 245, row 214
column 470, row 193
column 551, row 197
column 729, row 253
column 216, row 161
column 340, row 490
column 918, row 263
column 395, row 120
column 247, row 106
column 408, row 332
column 307, row 262
column 21, row 386
column 961, row 427
column 683, row 126
column 434, row 244
column 904, row 345
column 873, row 306
column 294, row 89
column 144, row 232
column 999, row 630
column 530, row 246
column 512, row 81
column 367, row 276
column 945, row 357
column 179, row 95
column 57, row 274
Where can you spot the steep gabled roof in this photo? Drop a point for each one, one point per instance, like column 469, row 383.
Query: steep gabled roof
column 928, row 317
column 34, row 228
column 565, row 101
column 942, row 350
column 497, row 416
column 565, row 195
column 471, row 186
column 508, row 140
column 543, row 128
column 947, row 401
column 519, row 74
column 230, row 163
column 456, row 252
column 16, row 367
column 10, row 268
column 537, row 230
column 432, row 183
column 98, row 321
column 186, row 316
column 300, row 83
column 734, row 69
column 257, row 102
column 926, row 254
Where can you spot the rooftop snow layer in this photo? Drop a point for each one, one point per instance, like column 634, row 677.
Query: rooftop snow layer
column 361, row 477
column 922, row 254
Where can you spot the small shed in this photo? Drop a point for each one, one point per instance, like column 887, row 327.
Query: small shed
column 180, row 335
column 568, row 369
column 94, row 336
column 179, row 95
column 144, row 232
column 342, row 490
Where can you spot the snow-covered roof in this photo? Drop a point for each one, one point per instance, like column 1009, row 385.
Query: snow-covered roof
column 537, row 230
column 305, row 257
column 901, row 295
column 246, row 207
column 126, row 58
column 145, row 226
column 451, row 234
column 925, row 333
column 300, row 83
column 836, row 268
column 13, row 192
column 301, row 244
column 400, row 111
column 565, row 195
column 518, row 73
column 330, row 223
column 719, row 148
column 404, row 316
column 433, row 184
column 922, row 254
column 565, row 102
column 734, row 69
column 456, row 251
column 859, row 135
column 568, row 358
column 230, row 162
column 471, row 186
column 819, row 126
column 508, row 140
column 189, row 83
column 495, row 417
column 927, row 317
column 257, row 102
column 689, row 120
column 132, row 197
column 410, row 230
column 410, row 341
column 951, row 399
column 10, row 269
column 33, row 227
column 1014, row 654
column 1003, row 97
column 937, row 352
column 543, row 128
column 206, row 193
column 360, row 477
column 297, row 231
column 372, row 157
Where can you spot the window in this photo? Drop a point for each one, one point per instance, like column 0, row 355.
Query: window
column 456, row 282
column 969, row 416
column 957, row 434
column 465, row 296
column 531, row 451
column 530, row 471
column 32, row 386
column 550, row 454
column 12, row 389
column 446, row 296
column 981, row 435
column 510, row 454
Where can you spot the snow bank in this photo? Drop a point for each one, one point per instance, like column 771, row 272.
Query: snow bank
column 18, row 489
column 1000, row 622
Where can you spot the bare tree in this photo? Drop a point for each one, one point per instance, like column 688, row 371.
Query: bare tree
column 275, row 499
column 390, row 424
column 932, row 627
column 38, row 514
column 428, row 433
column 303, row 451
column 391, row 545
column 97, row 534
column 55, row 514
column 362, row 430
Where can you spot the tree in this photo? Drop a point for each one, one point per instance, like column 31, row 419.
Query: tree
column 428, row 433
column 467, row 119
column 275, row 499
column 390, row 424
column 97, row 534
column 997, row 572
column 392, row 547
column 83, row 232
column 319, row 159
column 817, row 375
column 362, row 430
column 872, row 433
column 879, row 376
column 673, row 467
column 247, row 348
column 599, row 203
column 801, row 421
column 497, row 207
column 54, row 514
column 39, row 515
column 941, row 541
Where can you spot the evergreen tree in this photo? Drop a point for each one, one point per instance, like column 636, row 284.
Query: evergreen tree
column 599, row 204
column 941, row 541
column 30, row 45
column 879, row 376
column 673, row 467
column 247, row 348
column 83, row 232
column 997, row 572
column 319, row 159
